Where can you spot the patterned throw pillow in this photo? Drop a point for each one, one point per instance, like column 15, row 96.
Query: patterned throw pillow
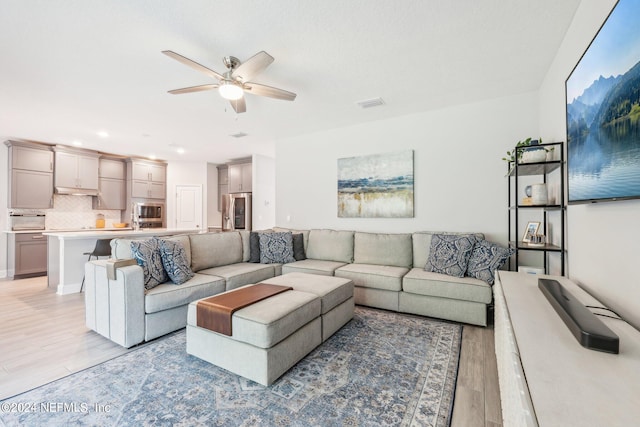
column 276, row 248
column 298, row 247
column 147, row 255
column 174, row 261
column 485, row 259
column 449, row 253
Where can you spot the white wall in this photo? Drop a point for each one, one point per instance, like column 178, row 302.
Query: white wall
column 263, row 184
column 604, row 238
column 459, row 182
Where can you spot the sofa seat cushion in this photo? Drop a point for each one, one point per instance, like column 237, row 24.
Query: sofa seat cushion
column 332, row 291
column 313, row 266
column 421, row 282
column 167, row 295
column 384, row 277
column 267, row 322
column 242, row 273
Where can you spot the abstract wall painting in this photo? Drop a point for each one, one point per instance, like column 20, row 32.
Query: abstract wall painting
column 376, row 186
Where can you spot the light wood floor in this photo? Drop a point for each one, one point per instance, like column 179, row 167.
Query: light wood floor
column 43, row 338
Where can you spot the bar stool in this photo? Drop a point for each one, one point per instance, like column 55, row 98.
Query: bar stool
column 103, row 248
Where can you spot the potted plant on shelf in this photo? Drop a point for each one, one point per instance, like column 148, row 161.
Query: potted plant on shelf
column 531, row 154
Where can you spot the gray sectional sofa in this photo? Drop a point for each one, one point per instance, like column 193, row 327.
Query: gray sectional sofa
column 387, row 270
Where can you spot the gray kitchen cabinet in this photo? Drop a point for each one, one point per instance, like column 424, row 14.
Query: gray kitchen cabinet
column 112, row 185
column 145, row 171
column 147, row 179
column 76, row 170
column 30, row 175
column 111, row 168
column 148, row 190
column 27, row 255
column 31, row 189
column 33, row 159
column 111, row 194
column 223, row 183
column 240, row 178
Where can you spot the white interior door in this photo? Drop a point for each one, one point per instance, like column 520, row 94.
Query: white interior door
column 189, row 206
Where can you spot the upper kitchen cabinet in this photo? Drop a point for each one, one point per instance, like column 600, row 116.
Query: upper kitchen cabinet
column 30, row 175
column 76, row 171
column 223, row 183
column 112, row 189
column 112, row 168
column 146, row 171
column 147, row 179
column 239, row 178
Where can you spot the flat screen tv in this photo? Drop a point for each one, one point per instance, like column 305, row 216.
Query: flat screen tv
column 603, row 112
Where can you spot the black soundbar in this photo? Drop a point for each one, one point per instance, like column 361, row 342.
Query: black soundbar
column 590, row 332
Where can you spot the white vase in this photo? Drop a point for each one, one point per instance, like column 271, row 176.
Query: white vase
column 539, row 194
column 534, row 154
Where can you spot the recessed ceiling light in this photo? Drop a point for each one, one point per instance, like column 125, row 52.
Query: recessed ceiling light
column 102, row 134
column 152, row 156
column 77, row 143
column 180, row 150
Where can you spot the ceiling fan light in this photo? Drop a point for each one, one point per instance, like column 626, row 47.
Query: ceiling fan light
column 229, row 90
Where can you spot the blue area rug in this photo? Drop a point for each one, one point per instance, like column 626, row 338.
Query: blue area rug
column 382, row 368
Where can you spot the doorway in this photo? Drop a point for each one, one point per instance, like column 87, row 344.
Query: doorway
column 189, row 207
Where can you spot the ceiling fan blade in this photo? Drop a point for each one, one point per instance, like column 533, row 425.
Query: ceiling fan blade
column 252, row 66
column 272, row 92
column 239, row 105
column 193, row 89
column 192, row 64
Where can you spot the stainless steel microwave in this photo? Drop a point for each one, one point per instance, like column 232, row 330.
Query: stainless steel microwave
column 148, row 213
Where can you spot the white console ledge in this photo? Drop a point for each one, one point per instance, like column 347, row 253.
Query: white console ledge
column 546, row 377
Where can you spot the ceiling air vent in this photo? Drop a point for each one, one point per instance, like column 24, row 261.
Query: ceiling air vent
column 368, row 103
column 239, row 135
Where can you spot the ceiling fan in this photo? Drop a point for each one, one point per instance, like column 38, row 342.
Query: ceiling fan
column 236, row 80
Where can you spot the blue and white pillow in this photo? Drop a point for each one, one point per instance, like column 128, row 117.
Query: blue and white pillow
column 276, row 248
column 485, row 259
column 175, row 262
column 449, row 253
column 147, row 255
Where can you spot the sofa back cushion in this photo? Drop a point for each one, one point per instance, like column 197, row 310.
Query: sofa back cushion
column 422, row 244
column 330, row 245
column 383, row 249
column 121, row 248
column 210, row 250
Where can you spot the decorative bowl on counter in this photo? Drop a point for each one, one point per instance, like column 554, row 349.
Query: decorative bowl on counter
column 120, row 224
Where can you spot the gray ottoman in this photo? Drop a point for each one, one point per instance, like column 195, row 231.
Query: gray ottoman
column 269, row 337
column 272, row 335
column 335, row 293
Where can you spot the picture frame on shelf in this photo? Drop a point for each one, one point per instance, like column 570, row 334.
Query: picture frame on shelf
column 530, row 230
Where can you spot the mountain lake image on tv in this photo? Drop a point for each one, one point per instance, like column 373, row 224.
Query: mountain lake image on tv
column 603, row 112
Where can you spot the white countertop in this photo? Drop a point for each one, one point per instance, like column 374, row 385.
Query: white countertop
column 116, row 232
column 74, row 230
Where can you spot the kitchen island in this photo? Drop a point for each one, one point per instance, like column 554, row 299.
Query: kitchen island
column 66, row 252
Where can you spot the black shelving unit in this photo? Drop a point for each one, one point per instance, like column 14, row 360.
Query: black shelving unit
column 515, row 190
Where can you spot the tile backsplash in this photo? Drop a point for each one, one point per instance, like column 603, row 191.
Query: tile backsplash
column 74, row 212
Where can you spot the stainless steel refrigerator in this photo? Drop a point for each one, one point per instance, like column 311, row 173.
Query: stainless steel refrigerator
column 236, row 211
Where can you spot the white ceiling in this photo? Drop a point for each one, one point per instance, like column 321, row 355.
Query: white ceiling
column 71, row 68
